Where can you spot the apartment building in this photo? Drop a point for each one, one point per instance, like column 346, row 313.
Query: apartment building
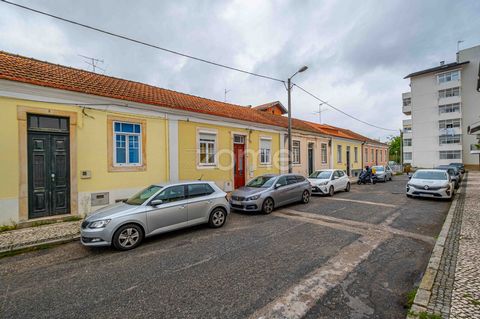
column 443, row 102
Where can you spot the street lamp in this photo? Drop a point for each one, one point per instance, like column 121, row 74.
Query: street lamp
column 289, row 88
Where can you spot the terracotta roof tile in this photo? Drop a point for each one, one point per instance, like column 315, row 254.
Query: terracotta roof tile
column 27, row 70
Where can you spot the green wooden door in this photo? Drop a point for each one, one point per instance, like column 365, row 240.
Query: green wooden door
column 48, row 173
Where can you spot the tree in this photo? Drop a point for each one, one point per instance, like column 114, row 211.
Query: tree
column 394, row 149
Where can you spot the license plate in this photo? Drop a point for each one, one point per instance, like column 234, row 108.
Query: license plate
column 235, row 202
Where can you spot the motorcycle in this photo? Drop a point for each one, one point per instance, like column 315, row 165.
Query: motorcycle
column 367, row 178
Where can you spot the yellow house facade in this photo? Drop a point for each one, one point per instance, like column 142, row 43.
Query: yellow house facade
column 69, row 146
column 347, row 155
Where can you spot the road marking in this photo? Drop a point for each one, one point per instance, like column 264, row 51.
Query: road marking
column 361, row 202
column 298, row 299
column 352, row 225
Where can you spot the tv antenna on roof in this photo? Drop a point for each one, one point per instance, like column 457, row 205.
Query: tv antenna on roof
column 225, row 92
column 320, row 111
column 458, row 44
column 93, row 62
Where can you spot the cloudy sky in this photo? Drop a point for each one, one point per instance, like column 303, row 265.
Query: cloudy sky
column 357, row 51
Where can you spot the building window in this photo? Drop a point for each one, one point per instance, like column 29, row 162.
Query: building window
column 407, row 129
column 448, row 76
column 447, row 124
column 450, row 154
column 373, row 155
column 407, row 101
column 450, row 139
column 366, row 154
column 207, row 146
column 449, row 108
column 339, row 153
column 407, row 142
column 324, row 153
column 265, row 151
column 296, row 152
column 355, row 154
column 449, row 92
column 386, row 156
column 381, row 155
column 127, row 144
column 407, row 156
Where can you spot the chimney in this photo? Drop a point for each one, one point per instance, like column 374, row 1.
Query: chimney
column 442, row 62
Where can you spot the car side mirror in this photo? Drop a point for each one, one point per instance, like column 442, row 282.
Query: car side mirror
column 156, row 202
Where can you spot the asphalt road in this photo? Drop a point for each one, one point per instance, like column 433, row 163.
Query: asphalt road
column 355, row 255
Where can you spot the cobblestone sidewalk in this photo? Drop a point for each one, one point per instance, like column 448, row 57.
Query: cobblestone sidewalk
column 33, row 236
column 466, row 288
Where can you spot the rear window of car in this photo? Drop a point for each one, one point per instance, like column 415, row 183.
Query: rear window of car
column 291, row 180
column 379, row 168
column 433, row 175
column 196, row 190
column 300, row 178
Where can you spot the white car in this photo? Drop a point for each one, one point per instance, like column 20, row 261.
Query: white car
column 431, row 183
column 329, row 181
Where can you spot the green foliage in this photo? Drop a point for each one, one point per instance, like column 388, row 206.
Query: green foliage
column 424, row 315
column 7, row 227
column 411, row 297
column 394, row 149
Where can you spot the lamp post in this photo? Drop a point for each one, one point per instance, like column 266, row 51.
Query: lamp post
column 289, row 89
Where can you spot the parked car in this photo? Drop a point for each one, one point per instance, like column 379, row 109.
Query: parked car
column 266, row 192
column 454, row 174
column 154, row 210
column 430, row 183
column 383, row 173
column 328, row 181
column 460, row 166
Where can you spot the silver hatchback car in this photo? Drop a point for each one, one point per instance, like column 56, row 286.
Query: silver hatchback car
column 154, row 210
column 266, row 192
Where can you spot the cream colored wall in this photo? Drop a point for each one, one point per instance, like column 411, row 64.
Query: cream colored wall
column 188, row 167
column 91, row 154
column 305, row 139
column 352, row 143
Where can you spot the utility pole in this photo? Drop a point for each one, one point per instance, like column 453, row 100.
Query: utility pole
column 289, row 89
column 93, row 62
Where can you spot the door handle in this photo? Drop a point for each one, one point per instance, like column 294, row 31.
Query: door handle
column 210, row 201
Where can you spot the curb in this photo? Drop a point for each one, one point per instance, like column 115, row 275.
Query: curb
column 424, row 291
column 56, row 241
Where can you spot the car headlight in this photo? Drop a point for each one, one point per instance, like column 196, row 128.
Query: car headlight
column 254, row 197
column 99, row 223
column 323, row 183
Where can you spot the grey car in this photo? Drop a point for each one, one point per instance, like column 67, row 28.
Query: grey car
column 154, row 210
column 383, row 173
column 266, row 192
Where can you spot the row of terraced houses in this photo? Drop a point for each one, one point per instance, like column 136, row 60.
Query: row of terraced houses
column 72, row 141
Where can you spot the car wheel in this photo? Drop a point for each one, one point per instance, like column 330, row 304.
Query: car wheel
column 305, row 197
column 409, row 196
column 385, row 179
column 128, row 237
column 347, row 189
column 390, row 179
column 331, row 191
column 359, row 182
column 217, row 218
column 267, row 206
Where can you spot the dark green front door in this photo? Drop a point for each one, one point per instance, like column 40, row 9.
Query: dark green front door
column 48, row 169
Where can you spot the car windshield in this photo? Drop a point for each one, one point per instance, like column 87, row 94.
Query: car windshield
column 430, row 175
column 379, row 168
column 261, row 181
column 140, row 197
column 321, row 174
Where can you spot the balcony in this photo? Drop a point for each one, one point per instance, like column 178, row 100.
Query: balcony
column 407, row 103
column 474, row 148
column 407, row 122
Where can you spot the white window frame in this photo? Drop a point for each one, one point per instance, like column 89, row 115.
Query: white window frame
column 450, row 154
column 296, row 157
column 449, row 108
column 127, row 150
column 447, row 76
column 407, row 158
column 407, row 139
column 215, row 148
column 324, row 153
column 267, row 139
column 443, row 93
